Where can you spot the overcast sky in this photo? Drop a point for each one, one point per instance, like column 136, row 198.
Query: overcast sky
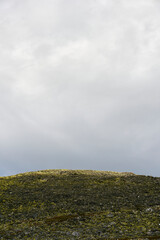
column 80, row 85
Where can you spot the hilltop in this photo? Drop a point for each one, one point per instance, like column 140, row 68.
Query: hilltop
column 79, row 204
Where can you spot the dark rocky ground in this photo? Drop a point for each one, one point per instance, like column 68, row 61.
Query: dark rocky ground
column 76, row 204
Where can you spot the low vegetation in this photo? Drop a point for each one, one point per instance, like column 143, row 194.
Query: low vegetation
column 79, row 204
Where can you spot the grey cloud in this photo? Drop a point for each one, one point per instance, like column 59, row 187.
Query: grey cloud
column 79, row 85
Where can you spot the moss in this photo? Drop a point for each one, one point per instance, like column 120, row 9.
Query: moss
column 79, row 204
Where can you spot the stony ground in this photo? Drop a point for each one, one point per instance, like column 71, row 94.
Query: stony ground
column 76, row 204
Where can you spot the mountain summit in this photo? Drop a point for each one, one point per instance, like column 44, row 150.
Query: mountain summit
column 79, row 204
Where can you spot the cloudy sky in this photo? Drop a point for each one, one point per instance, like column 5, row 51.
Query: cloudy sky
column 80, row 85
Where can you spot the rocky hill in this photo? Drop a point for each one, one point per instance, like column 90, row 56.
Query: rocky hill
column 79, row 204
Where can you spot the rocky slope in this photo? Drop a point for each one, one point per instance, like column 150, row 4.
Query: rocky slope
column 79, row 204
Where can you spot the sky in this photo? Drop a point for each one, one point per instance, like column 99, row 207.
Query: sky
column 79, row 85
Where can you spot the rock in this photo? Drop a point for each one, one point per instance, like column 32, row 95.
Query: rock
column 149, row 232
column 110, row 215
column 112, row 223
column 76, row 234
column 149, row 210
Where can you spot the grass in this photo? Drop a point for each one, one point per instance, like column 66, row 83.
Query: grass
column 79, row 204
